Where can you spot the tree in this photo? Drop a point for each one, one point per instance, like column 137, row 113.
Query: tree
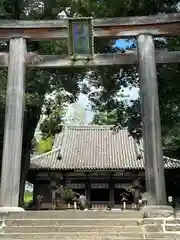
column 54, row 111
column 168, row 75
column 169, row 100
column 113, row 116
column 45, row 145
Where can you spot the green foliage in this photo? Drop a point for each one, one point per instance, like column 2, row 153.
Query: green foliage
column 54, row 111
column 45, row 145
column 105, row 101
column 108, row 118
column 28, row 197
column 171, row 142
column 105, row 118
column 68, row 195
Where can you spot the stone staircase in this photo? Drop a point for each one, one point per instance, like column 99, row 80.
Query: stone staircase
column 86, row 225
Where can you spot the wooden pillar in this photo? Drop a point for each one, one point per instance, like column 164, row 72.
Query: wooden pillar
column 111, row 190
column 35, row 192
column 11, row 161
column 88, row 188
column 154, row 165
column 64, row 180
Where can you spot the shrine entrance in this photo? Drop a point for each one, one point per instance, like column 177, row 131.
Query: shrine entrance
column 99, row 195
column 81, row 33
column 118, row 193
column 99, row 192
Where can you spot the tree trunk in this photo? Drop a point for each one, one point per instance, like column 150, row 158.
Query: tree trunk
column 32, row 116
column 22, row 190
column 24, row 171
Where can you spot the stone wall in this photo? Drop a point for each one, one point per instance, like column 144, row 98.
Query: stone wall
column 164, row 225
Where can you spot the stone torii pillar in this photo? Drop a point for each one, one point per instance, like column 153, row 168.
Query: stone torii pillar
column 12, row 149
column 154, row 163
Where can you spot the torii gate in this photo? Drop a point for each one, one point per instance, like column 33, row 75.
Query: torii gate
column 143, row 28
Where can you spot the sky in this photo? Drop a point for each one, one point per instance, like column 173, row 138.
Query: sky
column 83, row 99
column 123, row 43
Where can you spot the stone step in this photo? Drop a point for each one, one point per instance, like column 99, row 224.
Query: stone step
column 75, row 222
column 96, row 238
column 72, row 228
column 88, row 236
column 70, row 213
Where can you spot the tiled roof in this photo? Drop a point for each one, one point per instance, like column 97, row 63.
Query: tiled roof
column 93, row 147
column 58, row 140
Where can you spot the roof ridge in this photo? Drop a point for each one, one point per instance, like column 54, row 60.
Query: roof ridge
column 137, row 148
column 63, row 141
column 89, row 126
column 95, row 126
column 45, row 154
column 59, row 135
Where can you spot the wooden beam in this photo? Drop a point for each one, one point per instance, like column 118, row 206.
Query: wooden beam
column 128, row 58
column 12, row 144
column 118, row 21
column 154, row 164
column 160, row 25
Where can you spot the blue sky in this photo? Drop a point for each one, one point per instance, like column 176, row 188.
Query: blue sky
column 133, row 93
column 122, row 43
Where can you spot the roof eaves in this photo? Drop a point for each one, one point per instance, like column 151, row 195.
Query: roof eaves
column 176, row 161
column 85, row 169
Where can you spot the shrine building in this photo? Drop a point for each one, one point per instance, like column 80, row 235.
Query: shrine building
column 98, row 162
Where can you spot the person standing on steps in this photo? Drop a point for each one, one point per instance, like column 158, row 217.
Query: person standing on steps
column 124, row 199
column 82, row 201
column 171, row 201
